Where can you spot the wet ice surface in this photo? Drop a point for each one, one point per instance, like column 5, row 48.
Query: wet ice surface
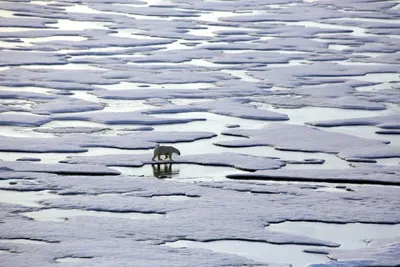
column 350, row 236
column 257, row 251
column 66, row 215
column 179, row 172
column 284, row 113
column 72, row 259
column 29, row 199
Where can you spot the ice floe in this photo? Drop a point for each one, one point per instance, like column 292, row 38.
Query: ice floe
column 77, row 143
column 361, row 174
column 297, row 138
column 22, row 166
column 240, row 161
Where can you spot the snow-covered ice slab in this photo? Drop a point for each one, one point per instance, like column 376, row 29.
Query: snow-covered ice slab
column 382, row 252
column 28, row 159
column 349, row 236
column 384, row 122
column 123, row 118
column 11, row 58
column 70, row 130
column 300, row 138
column 316, row 73
column 234, row 108
column 38, row 145
column 22, row 166
column 66, row 105
column 26, row 23
column 80, row 142
column 85, row 194
column 100, row 255
column 360, row 174
column 259, row 251
column 23, row 119
column 370, row 153
column 239, row 161
column 239, row 196
column 28, row 199
column 228, row 108
column 175, row 93
column 305, row 98
column 36, row 76
column 67, row 214
column 19, row 93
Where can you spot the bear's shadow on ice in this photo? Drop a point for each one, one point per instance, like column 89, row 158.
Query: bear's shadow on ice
column 164, row 170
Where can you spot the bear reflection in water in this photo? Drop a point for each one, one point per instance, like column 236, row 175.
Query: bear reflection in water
column 164, row 170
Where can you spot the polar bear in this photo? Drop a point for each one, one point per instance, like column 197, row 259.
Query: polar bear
column 165, row 150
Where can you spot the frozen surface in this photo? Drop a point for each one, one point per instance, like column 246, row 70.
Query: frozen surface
column 257, row 251
column 385, row 122
column 296, row 102
column 66, row 106
column 350, row 236
column 304, row 138
column 379, row 252
column 359, row 174
column 79, row 142
column 23, row 119
column 124, row 118
column 22, row 166
column 117, row 194
column 18, row 58
column 239, row 161
column 64, row 130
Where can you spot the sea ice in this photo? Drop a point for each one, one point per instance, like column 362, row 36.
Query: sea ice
column 239, row 161
column 297, row 138
column 361, row 174
column 113, row 79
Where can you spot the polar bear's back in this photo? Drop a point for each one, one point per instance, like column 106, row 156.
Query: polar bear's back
column 162, row 150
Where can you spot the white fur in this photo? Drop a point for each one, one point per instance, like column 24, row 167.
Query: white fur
column 165, row 150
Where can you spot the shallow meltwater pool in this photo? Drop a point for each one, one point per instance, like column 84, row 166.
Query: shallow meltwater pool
column 181, row 172
column 258, row 251
column 349, row 236
column 28, row 198
column 60, row 215
column 71, row 259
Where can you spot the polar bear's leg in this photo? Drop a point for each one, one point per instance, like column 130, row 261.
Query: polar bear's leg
column 156, row 153
column 167, row 155
column 159, row 157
